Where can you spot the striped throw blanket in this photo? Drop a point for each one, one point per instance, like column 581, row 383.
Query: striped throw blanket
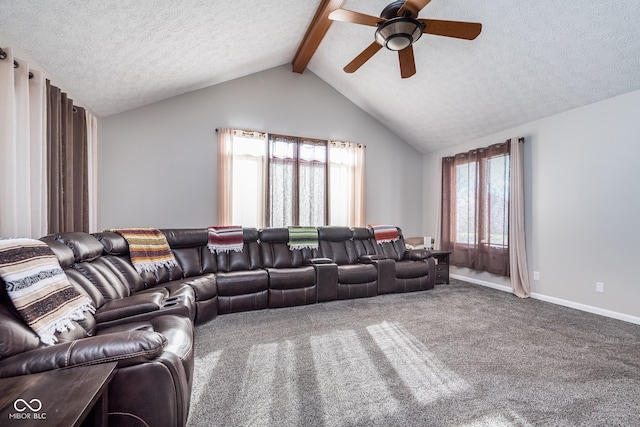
column 303, row 237
column 148, row 249
column 225, row 239
column 39, row 289
column 385, row 233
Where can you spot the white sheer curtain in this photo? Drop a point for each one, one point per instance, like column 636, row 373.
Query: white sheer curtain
column 346, row 184
column 312, row 178
column 241, row 177
column 281, row 187
column 23, row 195
column 517, row 248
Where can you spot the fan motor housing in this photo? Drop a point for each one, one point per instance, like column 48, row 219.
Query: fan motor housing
column 398, row 32
column 391, row 10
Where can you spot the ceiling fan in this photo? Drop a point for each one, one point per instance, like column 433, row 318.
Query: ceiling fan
column 398, row 28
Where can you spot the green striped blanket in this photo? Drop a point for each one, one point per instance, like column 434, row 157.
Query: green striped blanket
column 39, row 288
column 303, row 237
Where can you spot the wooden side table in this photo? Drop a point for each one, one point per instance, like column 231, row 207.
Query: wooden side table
column 62, row 397
column 442, row 266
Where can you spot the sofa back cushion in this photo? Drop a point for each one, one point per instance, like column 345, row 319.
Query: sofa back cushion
column 116, row 245
column 393, row 250
column 65, row 255
column 189, row 246
column 90, row 269
column 15, row 335
column 248, row 259
column 337, row 244
column 116, row 251
column 363, row 241
column 275, row 251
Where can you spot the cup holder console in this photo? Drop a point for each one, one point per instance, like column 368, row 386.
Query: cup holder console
column 170, row 302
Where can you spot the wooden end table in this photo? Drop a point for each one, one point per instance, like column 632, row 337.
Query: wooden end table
column 442, row 266
column 62, row 397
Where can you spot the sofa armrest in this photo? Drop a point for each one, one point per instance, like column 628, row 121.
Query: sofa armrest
column 326, row 281
column 416, row 254
column 129, row 306
column 317, row 261
column 370, row 259
column 126, row 348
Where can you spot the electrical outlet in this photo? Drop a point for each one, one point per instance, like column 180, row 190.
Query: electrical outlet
column 536, row 275
column 600, row 287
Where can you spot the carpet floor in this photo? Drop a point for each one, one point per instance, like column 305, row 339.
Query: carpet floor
column 457, row 355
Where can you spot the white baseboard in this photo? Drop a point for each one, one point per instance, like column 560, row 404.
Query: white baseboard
column 554, row 300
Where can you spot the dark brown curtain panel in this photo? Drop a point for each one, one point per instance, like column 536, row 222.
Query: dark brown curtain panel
column 67, row 163
column 475, row 209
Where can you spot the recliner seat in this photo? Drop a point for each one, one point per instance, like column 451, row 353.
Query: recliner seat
column 415, row 270
column 292, row 280
column 242, row 283
column 356, row 279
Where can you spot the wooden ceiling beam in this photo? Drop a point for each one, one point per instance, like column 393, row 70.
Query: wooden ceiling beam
column 315, row 33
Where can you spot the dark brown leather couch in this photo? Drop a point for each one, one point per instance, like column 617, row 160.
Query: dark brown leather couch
column 145, row 321
column 149, row 338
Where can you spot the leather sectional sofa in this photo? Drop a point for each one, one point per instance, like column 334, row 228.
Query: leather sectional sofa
column 145, row 321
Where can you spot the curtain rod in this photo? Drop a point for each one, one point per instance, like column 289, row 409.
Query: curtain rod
column 301, row 137
column 3, row 55
column 521, row 139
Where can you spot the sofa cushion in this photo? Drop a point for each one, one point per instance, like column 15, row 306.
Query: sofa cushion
column 113, row 243
column 291, row 278
column 248, row 259
column 195, row 260
column 275, row 251
column 85, row 247
column 241, row 282
column 357, row 273
column 64, row 253
column 205, row 287
column 409, row 269
column 15, row 336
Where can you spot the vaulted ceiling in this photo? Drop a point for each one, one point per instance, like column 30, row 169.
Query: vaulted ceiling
column 533, row 58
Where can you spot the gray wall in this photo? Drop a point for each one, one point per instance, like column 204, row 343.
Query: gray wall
column 582, row 204
column 158, row 163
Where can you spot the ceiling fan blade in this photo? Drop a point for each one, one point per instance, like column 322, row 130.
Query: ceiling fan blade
column 459, row 30
column 355, row 17
column 364, row 56
column 407, row 62
column 413, row 6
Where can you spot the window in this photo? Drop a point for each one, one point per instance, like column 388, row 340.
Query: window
column 278, row 180
column 297, row 181
column 248, row 174
column 346, row 183
column 475, row 208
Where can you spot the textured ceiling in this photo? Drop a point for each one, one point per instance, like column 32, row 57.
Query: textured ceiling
column 532, row 59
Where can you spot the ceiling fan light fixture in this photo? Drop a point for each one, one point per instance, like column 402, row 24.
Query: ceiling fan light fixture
column 399, row 33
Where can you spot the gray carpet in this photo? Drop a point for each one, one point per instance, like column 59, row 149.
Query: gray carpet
column 458, row 355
